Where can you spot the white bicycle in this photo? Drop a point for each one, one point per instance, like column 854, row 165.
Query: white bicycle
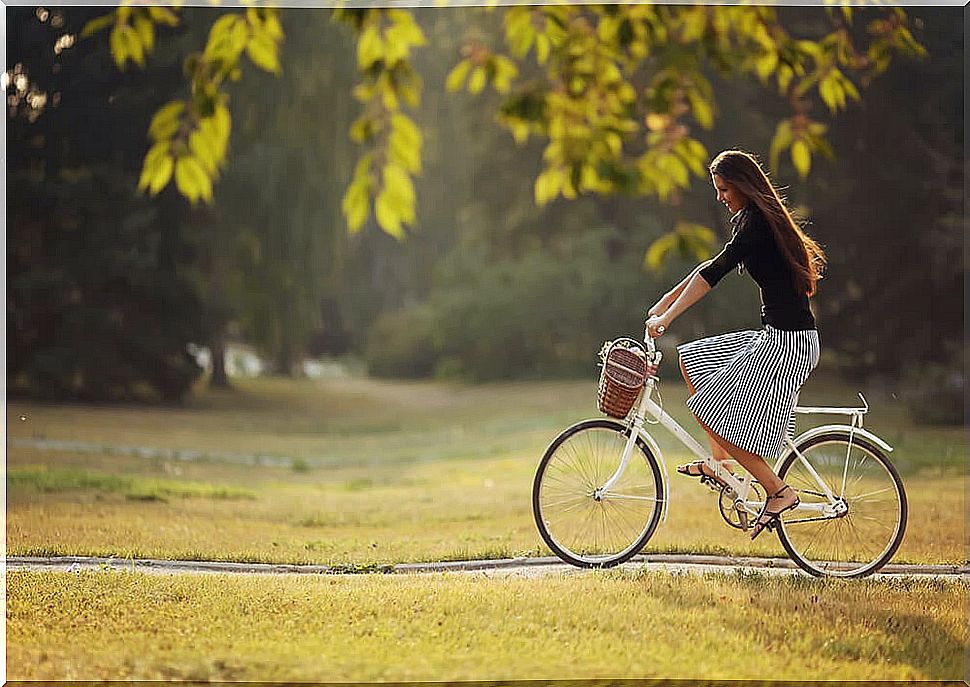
column 600, row 490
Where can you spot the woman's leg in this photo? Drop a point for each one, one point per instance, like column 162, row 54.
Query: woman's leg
column 753, row 463
column 716, row 450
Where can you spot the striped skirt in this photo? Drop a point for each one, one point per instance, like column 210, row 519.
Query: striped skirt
column 746, row 384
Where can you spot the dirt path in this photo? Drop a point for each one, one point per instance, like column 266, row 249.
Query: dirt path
column 522, row 567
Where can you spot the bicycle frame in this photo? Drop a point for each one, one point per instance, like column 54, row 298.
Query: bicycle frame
column 742, row 487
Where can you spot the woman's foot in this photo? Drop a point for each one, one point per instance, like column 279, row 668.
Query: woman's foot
column 699, row 469
column 782, row 500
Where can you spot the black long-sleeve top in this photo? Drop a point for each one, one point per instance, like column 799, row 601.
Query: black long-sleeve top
column 753, row 247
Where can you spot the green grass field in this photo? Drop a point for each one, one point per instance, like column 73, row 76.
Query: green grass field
column 453, row 627
column 386, row 472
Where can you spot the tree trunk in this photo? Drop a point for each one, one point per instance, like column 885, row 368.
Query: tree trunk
column 217, row 348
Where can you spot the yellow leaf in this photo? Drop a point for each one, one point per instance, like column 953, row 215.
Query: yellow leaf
column 387, row 216
column 702, row 109
column 398, row 188
column 98, row 24
column 370, row 48
column 146, row 32
column 204, row 150
column 272, row 25
column 659, row 250
column 456, row 77
column 124, row 44
column 166, row 121
column 262, row 50
column 162, row 15
column 801, row 157
column 548, row 185
column 542, row 48
column 356, row 204
column 191, row 179
column 161, row 175
column 477, row 81
column 780, row 141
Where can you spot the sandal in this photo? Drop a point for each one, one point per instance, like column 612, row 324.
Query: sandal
column 768, row 520
column 699, row 469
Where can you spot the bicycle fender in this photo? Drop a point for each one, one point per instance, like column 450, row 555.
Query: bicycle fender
column 855, row 431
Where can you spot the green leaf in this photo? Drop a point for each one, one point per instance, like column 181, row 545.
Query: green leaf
column 166, row 121
column 192, row 180
column 801, row 157
column 456, row 77
column 262, row 50
column 98, row 24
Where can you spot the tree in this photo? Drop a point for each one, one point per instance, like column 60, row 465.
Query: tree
column 98, row 303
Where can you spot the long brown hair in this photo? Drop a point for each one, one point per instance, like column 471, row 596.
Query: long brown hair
column 804, row 256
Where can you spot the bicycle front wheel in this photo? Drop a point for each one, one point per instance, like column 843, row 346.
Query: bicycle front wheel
column 581, row 524
column 861, row 532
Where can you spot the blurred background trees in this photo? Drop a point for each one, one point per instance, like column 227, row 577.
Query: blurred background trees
column 106, row 286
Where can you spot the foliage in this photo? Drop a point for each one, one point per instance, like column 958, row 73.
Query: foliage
column 620, row 86
column 385, row 38
column 401, row 344
column 190, row 136
column 543, row 313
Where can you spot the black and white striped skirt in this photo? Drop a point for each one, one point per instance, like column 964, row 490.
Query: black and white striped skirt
column 746, row 384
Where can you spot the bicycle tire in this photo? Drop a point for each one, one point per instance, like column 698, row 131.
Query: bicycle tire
column 581, row 458
column 866, row 537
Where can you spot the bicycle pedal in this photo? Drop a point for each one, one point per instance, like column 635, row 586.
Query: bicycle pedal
column 711, row 482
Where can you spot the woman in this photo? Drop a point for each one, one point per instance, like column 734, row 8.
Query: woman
column 744, row 384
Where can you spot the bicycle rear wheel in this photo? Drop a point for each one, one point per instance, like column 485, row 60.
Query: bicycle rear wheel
column 869, row 527
column 581, row 526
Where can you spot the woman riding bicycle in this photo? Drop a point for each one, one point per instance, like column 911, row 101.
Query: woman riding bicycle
column 744, row 385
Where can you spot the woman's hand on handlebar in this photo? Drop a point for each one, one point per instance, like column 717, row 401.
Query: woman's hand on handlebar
column 656, row 325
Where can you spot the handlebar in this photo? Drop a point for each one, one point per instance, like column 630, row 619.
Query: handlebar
column 649, row 341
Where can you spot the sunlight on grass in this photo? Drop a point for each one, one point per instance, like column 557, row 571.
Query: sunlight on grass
column 389, row 472
column 446, row 627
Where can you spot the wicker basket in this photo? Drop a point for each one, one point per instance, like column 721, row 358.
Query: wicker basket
column 624, row 364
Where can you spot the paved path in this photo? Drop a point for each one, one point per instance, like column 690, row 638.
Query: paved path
column 507, row 567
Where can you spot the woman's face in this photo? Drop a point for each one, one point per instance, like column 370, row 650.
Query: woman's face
column 728, row 194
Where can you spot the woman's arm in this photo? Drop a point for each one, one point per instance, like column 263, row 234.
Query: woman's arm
column 668, row 299
column 696, row 288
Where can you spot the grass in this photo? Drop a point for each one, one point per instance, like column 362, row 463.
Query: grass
column 47, row 479
column 127, row 625
column 380, row 472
